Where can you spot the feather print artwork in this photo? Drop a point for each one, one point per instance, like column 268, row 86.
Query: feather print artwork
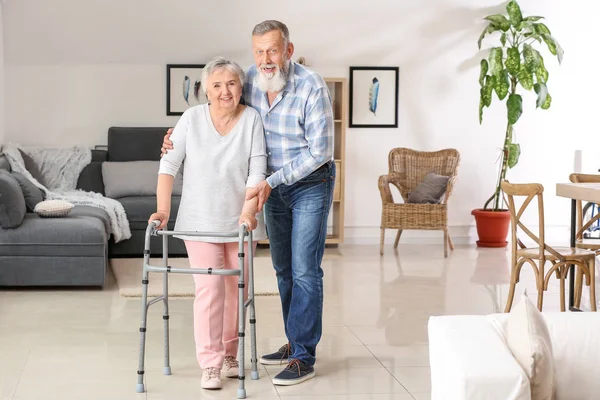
column 197, row 90
column 373, row 95
column 186, row 89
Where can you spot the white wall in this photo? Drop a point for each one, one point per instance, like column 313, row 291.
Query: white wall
column 75, row 68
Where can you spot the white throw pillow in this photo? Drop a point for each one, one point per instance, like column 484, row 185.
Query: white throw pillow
column 528, row 338
column 53, row 208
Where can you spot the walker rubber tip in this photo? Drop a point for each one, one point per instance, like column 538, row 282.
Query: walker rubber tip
column 139, row 388
column 241, row 393
column 167, row 371
column 254, row 375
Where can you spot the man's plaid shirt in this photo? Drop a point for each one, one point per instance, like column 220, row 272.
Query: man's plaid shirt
column 298, row 125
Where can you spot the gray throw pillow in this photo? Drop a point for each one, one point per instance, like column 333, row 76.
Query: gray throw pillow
column 33, row 195
column 12, row 201
column 33, row 168
column 431, row 190
column 134, row 178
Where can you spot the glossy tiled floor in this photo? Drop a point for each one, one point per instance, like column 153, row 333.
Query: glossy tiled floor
column 83, row 344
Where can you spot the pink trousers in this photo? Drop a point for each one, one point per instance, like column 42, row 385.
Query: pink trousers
column 216, row 313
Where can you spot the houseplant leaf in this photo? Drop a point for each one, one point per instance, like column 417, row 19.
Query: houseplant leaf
column 502, row 85
column 485, row 92
column 488, row 88
column 514, row 151
column 514, row 12
column 533, row 35
column 483, row 72
column 496, row 61
column 543, row 99
column 513, row 60
column 541, row 72
column 542, row 91
column 541, row 29
column 500, row 21
column 488, row 29
column 481, row 105
column 554, row 47
column 525, row 78
column 514, row 106
column 503, row 39
column 529, row 58
column 547, row 103
column 532, row 18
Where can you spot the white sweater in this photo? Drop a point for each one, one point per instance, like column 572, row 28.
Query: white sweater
column 218, row 169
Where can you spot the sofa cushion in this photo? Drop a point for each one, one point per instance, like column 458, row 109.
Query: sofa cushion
column 32, row 167
column 12, row 201
column 90, row 178
column 33, row 195
column 430, row 190
column 528, row 338
column 90, row 211
column 99, row 155
column 72, row 236
column 4, row 164
column 140, row 208
column 148, row 141
column 135, row 178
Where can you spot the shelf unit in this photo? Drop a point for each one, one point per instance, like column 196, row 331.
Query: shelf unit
column 335, row 225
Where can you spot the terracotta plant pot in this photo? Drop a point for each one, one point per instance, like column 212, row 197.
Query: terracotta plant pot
column 492, row 227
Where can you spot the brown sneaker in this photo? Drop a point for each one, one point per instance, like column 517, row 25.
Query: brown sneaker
column 231, row 367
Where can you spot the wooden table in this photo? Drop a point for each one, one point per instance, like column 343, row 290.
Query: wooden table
column 577, row 191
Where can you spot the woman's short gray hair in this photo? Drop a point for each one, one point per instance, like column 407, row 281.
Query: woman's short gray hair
column 218, row 64
column 272, row 25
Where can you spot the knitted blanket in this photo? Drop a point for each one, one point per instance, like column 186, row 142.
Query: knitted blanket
column 59, row 169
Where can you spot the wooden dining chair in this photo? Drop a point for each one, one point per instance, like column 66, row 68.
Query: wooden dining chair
column 581, row 226
column 560, row 258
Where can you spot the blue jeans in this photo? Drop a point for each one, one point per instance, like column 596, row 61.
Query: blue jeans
column 296, row 219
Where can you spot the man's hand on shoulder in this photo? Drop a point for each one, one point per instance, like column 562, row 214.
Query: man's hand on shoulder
column 167, row 144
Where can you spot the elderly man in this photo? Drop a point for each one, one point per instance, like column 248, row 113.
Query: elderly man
column 295, row 105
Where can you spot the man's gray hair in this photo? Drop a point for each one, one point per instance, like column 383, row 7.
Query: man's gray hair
column 272, row 25
column 218, row 64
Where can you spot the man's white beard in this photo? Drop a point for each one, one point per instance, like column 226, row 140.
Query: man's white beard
column 273, row 82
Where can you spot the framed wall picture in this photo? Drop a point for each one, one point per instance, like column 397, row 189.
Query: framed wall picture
column 374, row 97
column 184, row 87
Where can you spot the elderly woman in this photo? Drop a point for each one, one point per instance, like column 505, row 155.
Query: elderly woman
column 223, row 145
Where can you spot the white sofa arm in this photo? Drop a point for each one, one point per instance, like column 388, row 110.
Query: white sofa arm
column 469, row 360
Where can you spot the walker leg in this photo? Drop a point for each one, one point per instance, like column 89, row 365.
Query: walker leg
column 242, row 320
column 140, row 372
column 167, row 367
column 253, row 355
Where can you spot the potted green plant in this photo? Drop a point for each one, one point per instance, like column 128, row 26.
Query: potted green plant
column 511, row 67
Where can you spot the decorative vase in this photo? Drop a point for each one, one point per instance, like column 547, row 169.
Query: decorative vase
column 492, row 227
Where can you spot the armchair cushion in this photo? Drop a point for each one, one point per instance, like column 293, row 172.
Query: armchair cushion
column 430, row 190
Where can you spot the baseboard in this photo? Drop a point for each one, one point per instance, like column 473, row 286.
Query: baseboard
column 461, row 235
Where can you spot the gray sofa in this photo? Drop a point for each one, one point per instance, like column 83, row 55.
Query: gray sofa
column 74, row 250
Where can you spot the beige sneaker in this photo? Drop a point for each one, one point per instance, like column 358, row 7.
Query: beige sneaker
column 211, row 378
column 231, row 367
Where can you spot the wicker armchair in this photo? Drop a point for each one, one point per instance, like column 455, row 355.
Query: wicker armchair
column 408, row 168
